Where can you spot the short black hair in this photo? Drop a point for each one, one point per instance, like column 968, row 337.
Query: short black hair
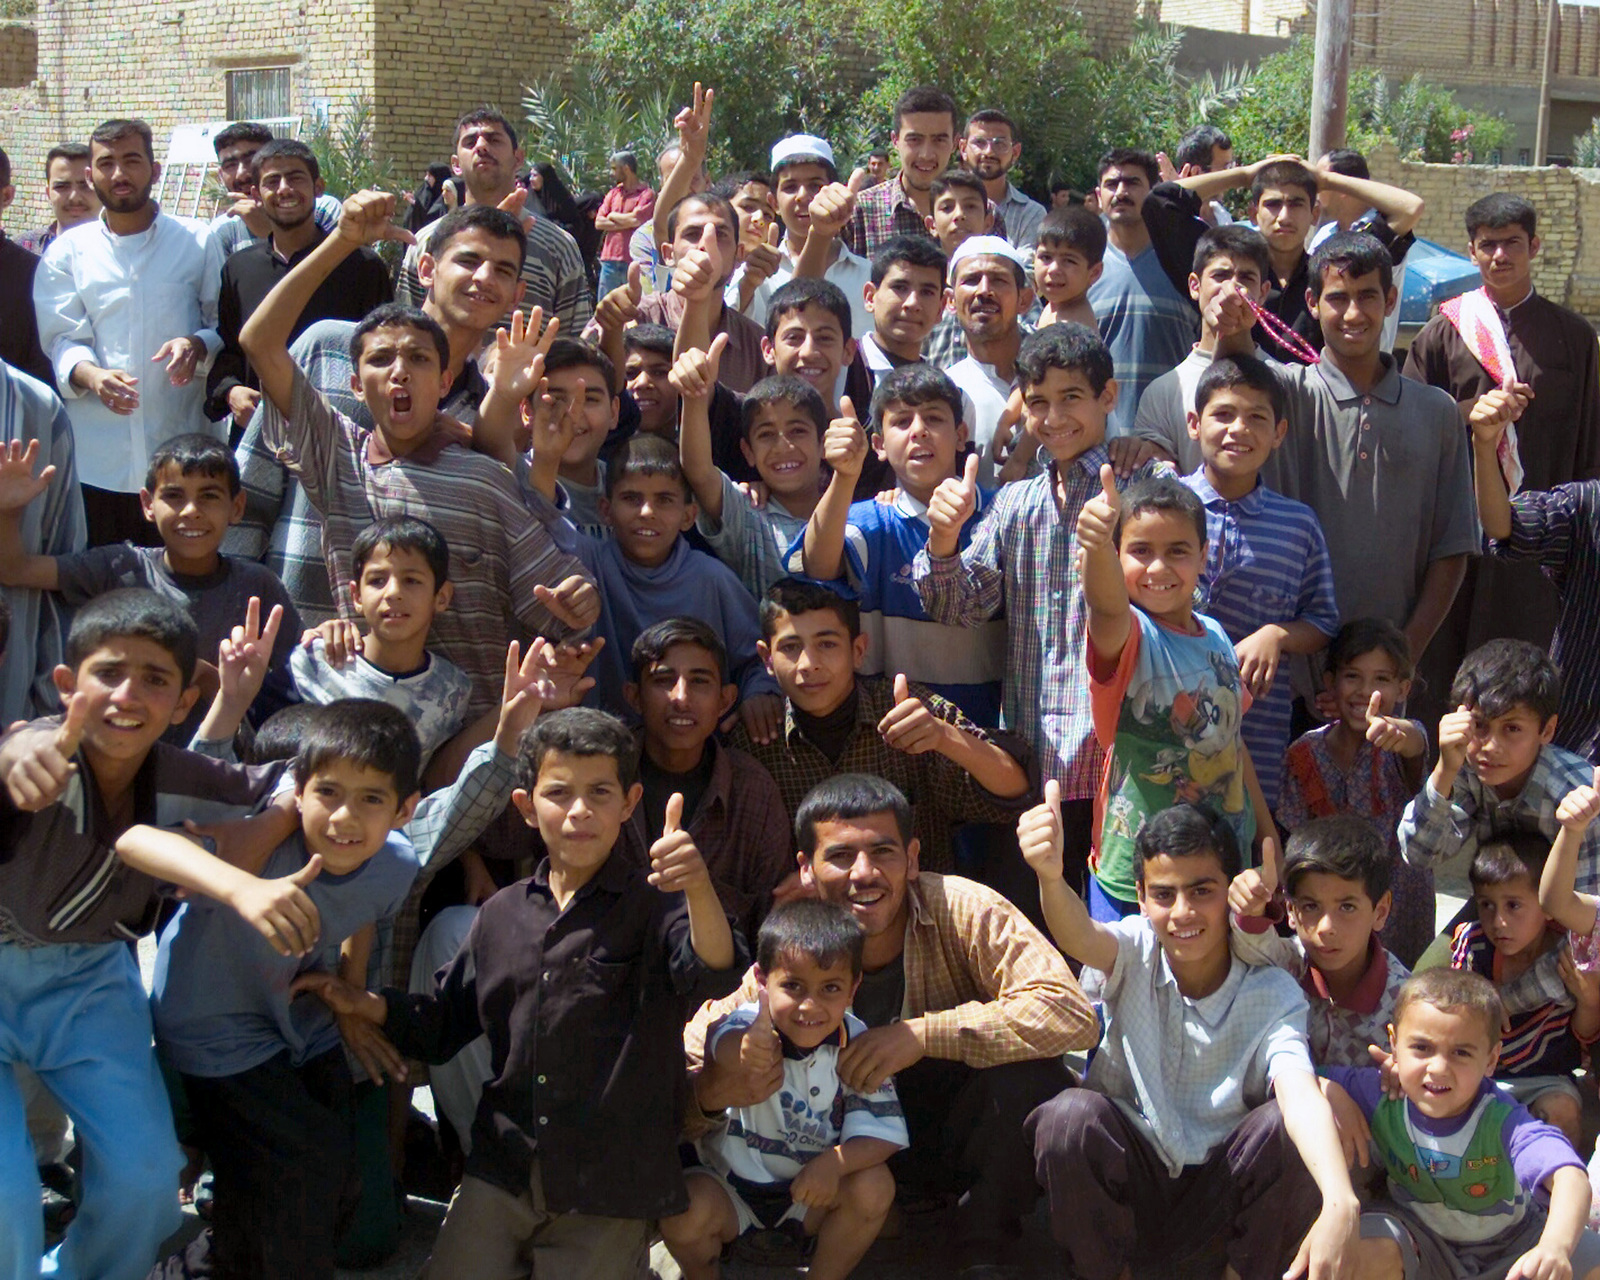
column 138, row 613
column 645, row 455
column 1163, row 493
column 1197, row 146
column 194, row 453
column 784, row 388
column 1128, row 157
column 1351, row 253
column 720, row 205
column 475, row 217
column 1065, row 345
column 575, row 353
column 913, row 251
column 732, row 184
column 281, row 733
column 805, row 291
column 483, row 114
column 794, row 596
column 924, row 99
column 824, row 933
column 1240, row 371
column 1501, row 209
column 398, row 315
column 366, row 733
column 849, row 795
column 627, row 159
column 877, row 153
column 959, row 180
column 1074, row 227
column 1363, row 635
column 1349, row 163
column 1186, row 831
column 654, row 641
column 241, row 131
column 577, row 731
column 1283, row 174
column 1234, row 241
column 285, row 149
column 110, row 131
column 992, row 115
column 1458, row 991
column 402, row 533
column 912, row 385
column 1504, row 857
column 75, row 151
column 654, row 338
column 1343, row 846
column 1502, row 675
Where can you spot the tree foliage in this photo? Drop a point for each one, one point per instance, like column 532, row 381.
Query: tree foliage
column 576, row 127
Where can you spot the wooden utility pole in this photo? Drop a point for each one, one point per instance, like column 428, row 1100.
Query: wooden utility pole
column 1541, row 135
column 1330, row 77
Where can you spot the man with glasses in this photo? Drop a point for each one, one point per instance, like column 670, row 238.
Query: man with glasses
column 245, row 222
column 989, row 147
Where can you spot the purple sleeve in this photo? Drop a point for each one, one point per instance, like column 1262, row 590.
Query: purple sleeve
column 1363, row 1084
column 1537, row 1150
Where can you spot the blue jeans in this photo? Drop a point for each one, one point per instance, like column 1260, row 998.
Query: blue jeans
column 613, row 275
column 78, row 1015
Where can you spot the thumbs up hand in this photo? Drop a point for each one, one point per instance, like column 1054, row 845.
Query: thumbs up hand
column 844, row 444
column 1040, row 835
column 37, row 764
column 761, row 258
column 281, row 910
column 910, row 726
column 694, row 374
column 1387, row 733
column 950, row 508
column 831, row 210
column 1097, row 520
column 620, row 308
column 675, row 863
column 1580, row 806
column 760, row 1050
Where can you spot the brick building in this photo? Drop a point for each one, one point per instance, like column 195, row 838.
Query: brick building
column 1488, row 51
column 187, row 61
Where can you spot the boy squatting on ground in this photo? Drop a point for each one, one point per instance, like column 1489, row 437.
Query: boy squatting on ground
column 73, row 1007
column 1477, row 1186
column 1174, row 1139
column 813, row 1153
column 582, row 977
column 270, row 1094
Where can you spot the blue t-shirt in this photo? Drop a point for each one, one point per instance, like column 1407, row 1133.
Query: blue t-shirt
column 221, row 998
column 963, row 664
column 1146, row 323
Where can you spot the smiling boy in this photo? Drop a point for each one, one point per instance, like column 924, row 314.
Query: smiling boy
column 1200, row 1116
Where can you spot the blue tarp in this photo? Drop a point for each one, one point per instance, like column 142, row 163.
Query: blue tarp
column 1433, row 274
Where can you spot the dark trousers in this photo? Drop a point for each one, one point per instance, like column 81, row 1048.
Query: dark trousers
column 966, row 1136
column 1113, row 1203
column 989, row 854
column 116, row 517
column 282, row 1146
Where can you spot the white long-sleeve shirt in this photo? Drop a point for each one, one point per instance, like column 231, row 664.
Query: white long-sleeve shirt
column 113, row 300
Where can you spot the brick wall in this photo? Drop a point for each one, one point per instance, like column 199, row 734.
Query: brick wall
column 166, row 63
column 1567, row 268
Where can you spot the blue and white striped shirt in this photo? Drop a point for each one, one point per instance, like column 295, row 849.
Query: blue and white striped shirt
column 1266, row 562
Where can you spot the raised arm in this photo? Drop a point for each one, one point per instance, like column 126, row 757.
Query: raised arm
column 694, row 378
column 844, row 449
column 693, row 124
column 517, row 377
column 910, row 727
column 18, row 488
column 1400, row 208
column 1104, row 590
column 1040, row 836
column 1488, row 418
column 266, row 334
column 1558, row 895
column 830, row 212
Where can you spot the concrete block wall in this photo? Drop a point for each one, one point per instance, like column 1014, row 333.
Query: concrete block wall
column 166, row 63
column 1567, row 269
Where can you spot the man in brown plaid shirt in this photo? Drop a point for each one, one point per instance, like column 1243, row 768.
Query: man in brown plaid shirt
column 924, row 138
column 969, row 1008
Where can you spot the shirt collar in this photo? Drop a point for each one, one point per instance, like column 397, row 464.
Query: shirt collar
column 439, row 438
column 794, row 1053
column 1368, row 993
column 613, row 877
column 1212, row 1009
column 1250, row 504
column 906, row 505
column 1386, row 388
column 299, row 254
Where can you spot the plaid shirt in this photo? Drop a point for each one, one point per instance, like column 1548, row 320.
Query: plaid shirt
column 1023, row 561
column 280, row 527
column 499, row 551
column 943, row 795
column 882, row 212
column 552, row 276
column 988, row 986
column 1434, row 830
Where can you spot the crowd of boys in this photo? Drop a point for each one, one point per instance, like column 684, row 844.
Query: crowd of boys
column 742, row 736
